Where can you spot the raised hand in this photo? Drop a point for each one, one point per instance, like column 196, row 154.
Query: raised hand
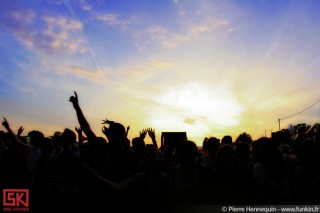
column 78, row 130
column 143, row 133
column 128, row 128
column 5, row 123
column 85, row 126
column 106, row 121
column 20, row 130
column 80, row 136
column 14, row 137
column 151, row 133
column 74, row 100
column 105, row 131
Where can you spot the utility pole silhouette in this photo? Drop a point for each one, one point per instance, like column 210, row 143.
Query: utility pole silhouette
column 279, row 123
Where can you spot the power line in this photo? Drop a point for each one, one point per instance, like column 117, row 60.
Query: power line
column 279, row 119
column 274, row 126
column 301, row 111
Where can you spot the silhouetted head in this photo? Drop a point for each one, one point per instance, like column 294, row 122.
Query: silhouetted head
column 138, row 143
column 57, row 137
column 187, row 151
column 227, row 139
column 36, row 138
column 242, row 150
column 5, row 138
column 226, row 156
column 117, row 132
column 244, row 137
column 265, row 149
column 68, row 138
column 267, row 153
column 211, row 145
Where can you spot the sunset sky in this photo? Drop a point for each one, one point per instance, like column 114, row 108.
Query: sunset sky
column 209, row 67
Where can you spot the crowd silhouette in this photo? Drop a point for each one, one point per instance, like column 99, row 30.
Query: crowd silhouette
column 75, row 170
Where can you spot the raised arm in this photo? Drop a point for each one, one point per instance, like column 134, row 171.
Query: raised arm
column 106, row 130
column 143, row 133
column 127, row 131
column 20, row 130
column 82, row 120
column 152, row 134
column 14, row 137
column 80, row 136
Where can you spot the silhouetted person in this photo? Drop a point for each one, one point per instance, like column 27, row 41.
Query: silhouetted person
column 114, row 159
column 139, row 150
column 231, row 184
column 242, row 150
column 210, row 148
column 14, row 167
column 244, row 137
column 187, row 179
column 145, row 191
column 68, row 159
column 270, row 172
column 43, row 175
column 308, row 174
column 31, row 151
column 227, row 139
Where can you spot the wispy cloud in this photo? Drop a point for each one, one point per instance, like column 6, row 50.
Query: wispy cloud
column 169, row 39
column 16, row 20
column 57, row 34
column 190, row 121
column 86, row 6
column 90, row 74
column 113, row 19
column 23, row 16
column 96, row 76
column 150, row 77
column 144, row 73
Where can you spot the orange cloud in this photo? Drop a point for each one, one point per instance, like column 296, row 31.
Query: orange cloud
column 94, row 75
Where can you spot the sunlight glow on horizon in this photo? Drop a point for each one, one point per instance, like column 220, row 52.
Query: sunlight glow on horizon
column 194, row 109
